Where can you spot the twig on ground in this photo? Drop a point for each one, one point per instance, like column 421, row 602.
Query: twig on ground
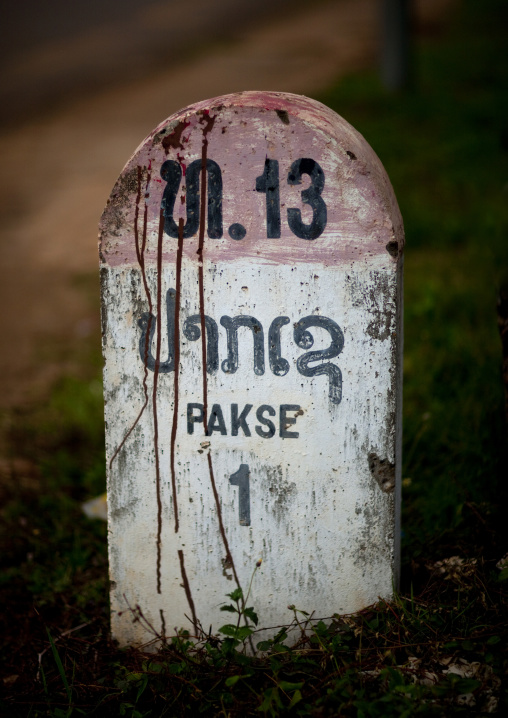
column 62, row 635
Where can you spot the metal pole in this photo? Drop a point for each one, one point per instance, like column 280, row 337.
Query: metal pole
column 395, row 43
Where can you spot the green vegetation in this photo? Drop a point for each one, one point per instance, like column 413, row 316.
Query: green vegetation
column 445, row 148
column 440, row 647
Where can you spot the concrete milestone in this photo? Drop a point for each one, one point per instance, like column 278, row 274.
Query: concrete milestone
column 251, row 259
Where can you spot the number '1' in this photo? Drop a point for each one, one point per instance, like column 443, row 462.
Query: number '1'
column 241, row 479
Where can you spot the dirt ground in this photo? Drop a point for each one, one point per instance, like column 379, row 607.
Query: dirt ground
column 59, row 166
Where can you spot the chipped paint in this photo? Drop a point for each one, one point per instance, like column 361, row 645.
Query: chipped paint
column 251, row 256
column 383, row 471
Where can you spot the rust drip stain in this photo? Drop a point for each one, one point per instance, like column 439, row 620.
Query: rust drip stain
column 136, row 218
column 140, row 251
column 208, row 122
column 201, row 278
column 187, row 590
column 145, row 220
column 174, row 139
column 154, row 398
column 140, row 254
column 163, row 624
column 174, row 425
column 229, row 556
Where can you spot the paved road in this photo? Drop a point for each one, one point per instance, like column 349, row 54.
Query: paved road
column 59, row 166
column 55, row 50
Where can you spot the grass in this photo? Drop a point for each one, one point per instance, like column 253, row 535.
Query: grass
column 440, row 647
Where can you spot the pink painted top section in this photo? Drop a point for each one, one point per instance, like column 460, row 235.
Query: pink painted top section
column 240, row 131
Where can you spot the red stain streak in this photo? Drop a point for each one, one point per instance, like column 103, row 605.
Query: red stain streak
column 174, row 425
column 229, row 556
column 187, row 590
column 154, row 399
column 174, row 139
column 182, row 163
column 142, row 251
column 136, row 217
column 201, row 280
column 163, row 623
column 140, row 254
column 208, row 122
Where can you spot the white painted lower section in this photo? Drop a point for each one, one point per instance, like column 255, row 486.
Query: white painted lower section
column 319, row 519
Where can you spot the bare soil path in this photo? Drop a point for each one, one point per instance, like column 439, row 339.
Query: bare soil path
column 58, row 168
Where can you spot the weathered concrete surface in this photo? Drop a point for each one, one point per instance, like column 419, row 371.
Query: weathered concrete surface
column 58, row 167
column 301, row 249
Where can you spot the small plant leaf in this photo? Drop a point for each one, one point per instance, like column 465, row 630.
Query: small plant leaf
column 280, row 636
column 229, row 630
column 60, row 667
column 271, row 698
column 320, row 628
column 264, row 645
column 287, row 686
column 235, row 595
column 243, row 632
column 503, row 576
column 250, row 613
column 297, row 697
column 232, row 680
column 280, row 648
column 240, row 633
column 142, row 686
column 175, row 669
column 229, row 608
column 228, row 646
